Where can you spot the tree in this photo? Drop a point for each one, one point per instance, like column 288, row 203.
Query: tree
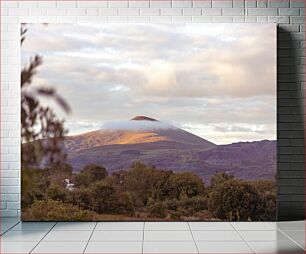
column 220, row 178
column 185, row 184
column 235, row 200
column 156, row 209
column 41, row 129
column 103, row 198
column 90, row 174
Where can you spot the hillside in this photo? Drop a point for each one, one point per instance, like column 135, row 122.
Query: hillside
column 167, row 147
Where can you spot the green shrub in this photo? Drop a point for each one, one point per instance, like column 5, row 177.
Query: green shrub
column 235, row 200
column 51, row 210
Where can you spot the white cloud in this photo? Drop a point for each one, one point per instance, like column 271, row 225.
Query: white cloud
column 207, row 75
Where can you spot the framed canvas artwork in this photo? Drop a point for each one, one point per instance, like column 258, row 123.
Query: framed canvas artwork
column 148, row 122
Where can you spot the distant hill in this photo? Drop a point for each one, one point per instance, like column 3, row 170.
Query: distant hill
column 118, row 144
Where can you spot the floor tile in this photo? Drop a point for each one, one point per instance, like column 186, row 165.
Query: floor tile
column 9, row 220
column 106, row 236
column 166, row 226
column 23, row 236
column 119, row 226
column 223, row 247
column 69, row 236
column 169, row 247
column 17, row 247
column 167, row 236
column 33, row 226
column 63, row 226
column 211, row 226
column 253, row 226
column 291, row 225
column 216, row 236
column 276, row 247
column 114, row 247
column 60, row 247
column 296, row 235
column 273, row 235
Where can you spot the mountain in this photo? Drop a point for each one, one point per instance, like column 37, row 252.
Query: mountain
column 118, row 144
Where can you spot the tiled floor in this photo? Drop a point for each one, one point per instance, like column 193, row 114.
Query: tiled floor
column 152, row 237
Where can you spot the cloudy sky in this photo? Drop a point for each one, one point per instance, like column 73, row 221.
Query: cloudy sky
column 217, row 81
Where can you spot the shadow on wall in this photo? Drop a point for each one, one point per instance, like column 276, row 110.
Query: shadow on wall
column 290, row 128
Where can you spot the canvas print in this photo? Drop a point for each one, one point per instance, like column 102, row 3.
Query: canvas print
column 148, row 122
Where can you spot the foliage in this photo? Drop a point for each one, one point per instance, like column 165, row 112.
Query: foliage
column 50, row 210
column 185, row 184
column 90, row 174
column 235, row 200
column 156, row 209
column 146, row 192
column 41, row 129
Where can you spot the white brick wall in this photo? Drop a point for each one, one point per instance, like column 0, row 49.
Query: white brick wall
column 289, row 13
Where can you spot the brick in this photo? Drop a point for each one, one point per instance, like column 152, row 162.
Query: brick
column 278, row 3
column 211, row 11
column 262, row 19
column 238, row 3
column 202, row 3
column 9, row 4
column 233, row 12
column 28, row 4
column 192, row 12
column 66, row 4
column 237, row 19
column 138, row 19
column 118, row 4
column 76, row 11
column 289, row 11
column 91, row 4
column 9, row 213
column 279, row 19
column 222, row 19
column 172, row 12
column 9, row 197
column 150, row 12
column 18, row 12
column 47, row 4
column 3, row 205
column 92, row 11
column 201, row 19
column 289, row 28
column 262, row 12
column 248, row 19
column 182, row 3
column 250, row 3
column 38, row 11
column 9, row 181
column 262, row 4
column 297, row 3
column 297, row 20
column 13, row 205
column 108, row 11
column 128, row 12
column 179, row 20
column 160, row 4
column 57, row 12
column 222, row 3
column 9, row 173
column 166, row 20
column 291, row 189
column 139, row 4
